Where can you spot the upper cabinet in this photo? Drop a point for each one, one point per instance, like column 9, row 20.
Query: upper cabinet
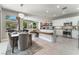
column 58, row 22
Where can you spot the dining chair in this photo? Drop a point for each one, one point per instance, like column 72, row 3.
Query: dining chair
column 23, row 41
column 12, row 41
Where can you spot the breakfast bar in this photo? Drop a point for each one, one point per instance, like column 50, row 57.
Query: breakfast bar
column 45, row 35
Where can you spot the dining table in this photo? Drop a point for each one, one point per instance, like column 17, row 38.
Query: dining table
column 14, row 36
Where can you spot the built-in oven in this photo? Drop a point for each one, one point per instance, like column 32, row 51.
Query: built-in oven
column 67, row 29
column 67, row 33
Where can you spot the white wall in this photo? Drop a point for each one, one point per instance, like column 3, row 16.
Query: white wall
column 60, row 22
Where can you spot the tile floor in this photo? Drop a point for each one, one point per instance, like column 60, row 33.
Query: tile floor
column 63, row 46
column 3, row 47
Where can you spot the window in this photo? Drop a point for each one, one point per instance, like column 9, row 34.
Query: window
column 11, row 22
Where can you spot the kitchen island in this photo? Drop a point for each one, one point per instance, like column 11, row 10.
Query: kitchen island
column 44, row 34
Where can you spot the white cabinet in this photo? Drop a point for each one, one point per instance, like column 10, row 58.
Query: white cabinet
column 59, row 32
column 74, row 34
column 60, row 22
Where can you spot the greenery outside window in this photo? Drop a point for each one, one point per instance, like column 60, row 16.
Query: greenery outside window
column 24, row 24
column 10, row 25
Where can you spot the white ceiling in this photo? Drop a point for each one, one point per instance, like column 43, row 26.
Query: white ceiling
column 44, row 10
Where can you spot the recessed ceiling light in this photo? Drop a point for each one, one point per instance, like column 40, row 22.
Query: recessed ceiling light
column 77, row 8
column 58, row 6
column 47, row 11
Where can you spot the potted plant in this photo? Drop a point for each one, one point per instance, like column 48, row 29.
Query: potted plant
column 34, row 25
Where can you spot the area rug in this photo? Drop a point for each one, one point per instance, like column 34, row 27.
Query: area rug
column 30, row 51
